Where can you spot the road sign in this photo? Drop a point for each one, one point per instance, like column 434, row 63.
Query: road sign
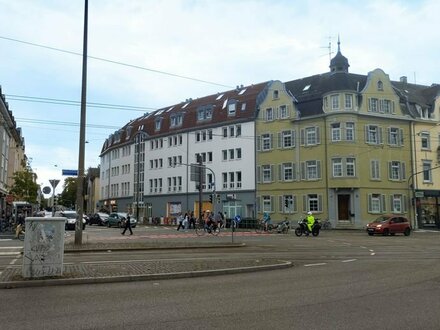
column 47, row 190
column 70, row 172
column 54, row 183
column 420, row 194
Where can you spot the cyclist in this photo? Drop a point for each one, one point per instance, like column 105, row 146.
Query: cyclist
column 209, row 220
column 266, row 220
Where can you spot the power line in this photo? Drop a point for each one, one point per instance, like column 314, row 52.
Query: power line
column 115, row 62
column 63, row 123
column 47, row 100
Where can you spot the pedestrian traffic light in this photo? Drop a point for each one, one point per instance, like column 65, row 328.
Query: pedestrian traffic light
column 210, row 198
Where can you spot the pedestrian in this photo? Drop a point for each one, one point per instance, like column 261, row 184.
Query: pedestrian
column 127, row 225
column 20, row 224
column 179, row 221
column 185, row 222
column 192, row 220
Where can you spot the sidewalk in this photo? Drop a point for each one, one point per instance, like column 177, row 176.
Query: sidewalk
column 141, row 270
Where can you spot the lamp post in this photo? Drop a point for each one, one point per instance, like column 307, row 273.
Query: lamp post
column 138, row 139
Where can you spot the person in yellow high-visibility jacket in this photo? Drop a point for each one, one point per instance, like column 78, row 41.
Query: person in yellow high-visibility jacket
column 310, row 221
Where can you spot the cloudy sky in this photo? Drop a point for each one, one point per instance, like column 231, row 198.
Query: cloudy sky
column 147, row 54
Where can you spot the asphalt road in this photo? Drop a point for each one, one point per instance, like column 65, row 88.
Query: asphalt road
column 341, row 280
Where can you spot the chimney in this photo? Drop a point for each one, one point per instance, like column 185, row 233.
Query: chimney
column 403, row 79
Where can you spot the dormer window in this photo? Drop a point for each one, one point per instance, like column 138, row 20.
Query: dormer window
column 275, row 94
column 176, row 120
column 128, row 132
column 204, row 113
column 232, row 107
column 380, row 85
column 157, row 123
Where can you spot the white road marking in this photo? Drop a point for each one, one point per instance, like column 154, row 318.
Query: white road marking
column 318, row 264
column 9, row 253
column 371, row 250
column 363, row 247
column 9, row 247
column 373, row 254
column 349, row 260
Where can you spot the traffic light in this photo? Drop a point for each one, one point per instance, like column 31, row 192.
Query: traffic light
column 210, row 198
column 218, row 198
column 286, row 202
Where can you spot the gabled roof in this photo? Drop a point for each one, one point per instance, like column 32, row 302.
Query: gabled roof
column 188, row 110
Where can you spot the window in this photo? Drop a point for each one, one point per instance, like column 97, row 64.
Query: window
column 238, row 176
column 225, row 180
column 349, row 131
column 335, row 102
column 283, row 112
column 269, row 114
column 238, row 130
column 311, row 170
column 376, row 203
column 348, row 101
column 209, row 134
column 380, row 85
column 287, row 172
column 204, row 113
column 225, row 132
column 231, row 180
column 287, row 139
column 209, row 157
column 375, row 169
column 157, row 124
column 396, row 170
column 176, row 120
column 231, row 131
column 394, row 136
column 276, row 94
column 267, row 173
column 266, row 203
column 336, row 132
column 197, row 138
column 287, row 204
column 350, row 167
column 311, row 136
column 231, row 153
column 224, row 155
column 337, row 167
column 313, row 203
column 387, row 106
column 396, row 203
column 373, row 105
column 425, row 141
column 266, row 142
column 373, row 134
column 243, row 106
column 427, row 175
column 238, row 153
column 232, row 108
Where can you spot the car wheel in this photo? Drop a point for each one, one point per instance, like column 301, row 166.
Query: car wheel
column 407, row 232
column 386, row 232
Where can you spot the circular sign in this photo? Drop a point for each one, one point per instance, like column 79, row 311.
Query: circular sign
column 46, row 190
column 237, row 218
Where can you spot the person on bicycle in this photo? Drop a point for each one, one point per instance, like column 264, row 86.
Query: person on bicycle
column 20, row 224
column 209, row 220
column 310, row 221
column 266, row 220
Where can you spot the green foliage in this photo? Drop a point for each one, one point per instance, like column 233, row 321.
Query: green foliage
column 68, row 196
column 25, row 188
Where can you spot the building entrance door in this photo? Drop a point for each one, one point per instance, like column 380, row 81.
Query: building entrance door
column 343, row 207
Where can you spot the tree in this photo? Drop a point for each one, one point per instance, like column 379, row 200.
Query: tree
column 25, row 188
column 68, row 196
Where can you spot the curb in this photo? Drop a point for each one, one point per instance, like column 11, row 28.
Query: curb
column 117, row 279
column 174, row 247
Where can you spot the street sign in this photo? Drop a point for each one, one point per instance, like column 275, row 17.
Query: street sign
column 420, row 194
column 70, row 172
column 54, row 183
column 195, row 172
column 47, row 190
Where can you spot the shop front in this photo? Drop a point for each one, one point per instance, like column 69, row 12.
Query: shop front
column 428, row 209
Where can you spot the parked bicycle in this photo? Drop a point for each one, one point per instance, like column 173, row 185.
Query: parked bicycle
column 326, row 224
column 203, row 228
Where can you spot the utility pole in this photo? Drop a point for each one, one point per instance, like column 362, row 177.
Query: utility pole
column 200, row 162
column 82, row 135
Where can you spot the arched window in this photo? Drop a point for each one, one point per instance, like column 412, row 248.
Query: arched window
column 380, row 85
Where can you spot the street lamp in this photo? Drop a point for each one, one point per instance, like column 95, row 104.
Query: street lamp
column 140, row 135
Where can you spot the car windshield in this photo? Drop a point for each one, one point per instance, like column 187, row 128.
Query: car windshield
column 70, row 215
column 381, row 219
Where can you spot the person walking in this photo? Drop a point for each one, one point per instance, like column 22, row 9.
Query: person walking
column 192, row 220
column 180, row 221
column 20, row 225
column 127, row 225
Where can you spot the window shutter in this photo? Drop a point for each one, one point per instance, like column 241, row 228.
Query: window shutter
column 403, row 171
column 401, row 138
column 258, row 141
column 303, row 170
column 280, row 141
column 369, row 202
column 389, row 170
column 272, row 201
column 305, row 208
column 320, row 203
column 391, row 203
column 295, row 204
column 383, row 203
column 381, row 106
column 293, row 139
column 259, row 204
column 276, row 113
column 393, row 110
column 280, row 170
column 318, row 136
column 272, row 173
column 302, row 137
column 271, row 141
column 366, row 134
column 318, row 168
column 280, row 204
column 294, row 174
column 369, row 104
column 404, row 204
column 258, row 174
column 388, row 135
column 380, row 135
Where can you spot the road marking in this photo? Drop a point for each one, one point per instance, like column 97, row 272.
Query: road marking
column 363, row 247
column 13, row 261
column 9, row 247
column 371, row 250
column 349, row 260
column 9, row 253
column 318, row 264
column 372, row 254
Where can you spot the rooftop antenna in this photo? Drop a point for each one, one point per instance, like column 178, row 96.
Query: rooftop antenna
column 329, row 48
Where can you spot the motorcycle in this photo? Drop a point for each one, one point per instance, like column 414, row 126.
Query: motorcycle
column 283, row 227
column 304, row 229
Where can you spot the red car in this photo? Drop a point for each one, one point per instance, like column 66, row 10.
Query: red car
column 389, row 225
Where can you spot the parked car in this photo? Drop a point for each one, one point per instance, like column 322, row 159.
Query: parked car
column 117, row 219
column 70, row 219
column 389, row 225
column 99, row 219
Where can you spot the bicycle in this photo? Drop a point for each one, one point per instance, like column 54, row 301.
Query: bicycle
column 202, row 228
column 326, row 224
column 261, row 227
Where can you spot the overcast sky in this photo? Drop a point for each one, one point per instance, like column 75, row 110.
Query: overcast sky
column 152, row 54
